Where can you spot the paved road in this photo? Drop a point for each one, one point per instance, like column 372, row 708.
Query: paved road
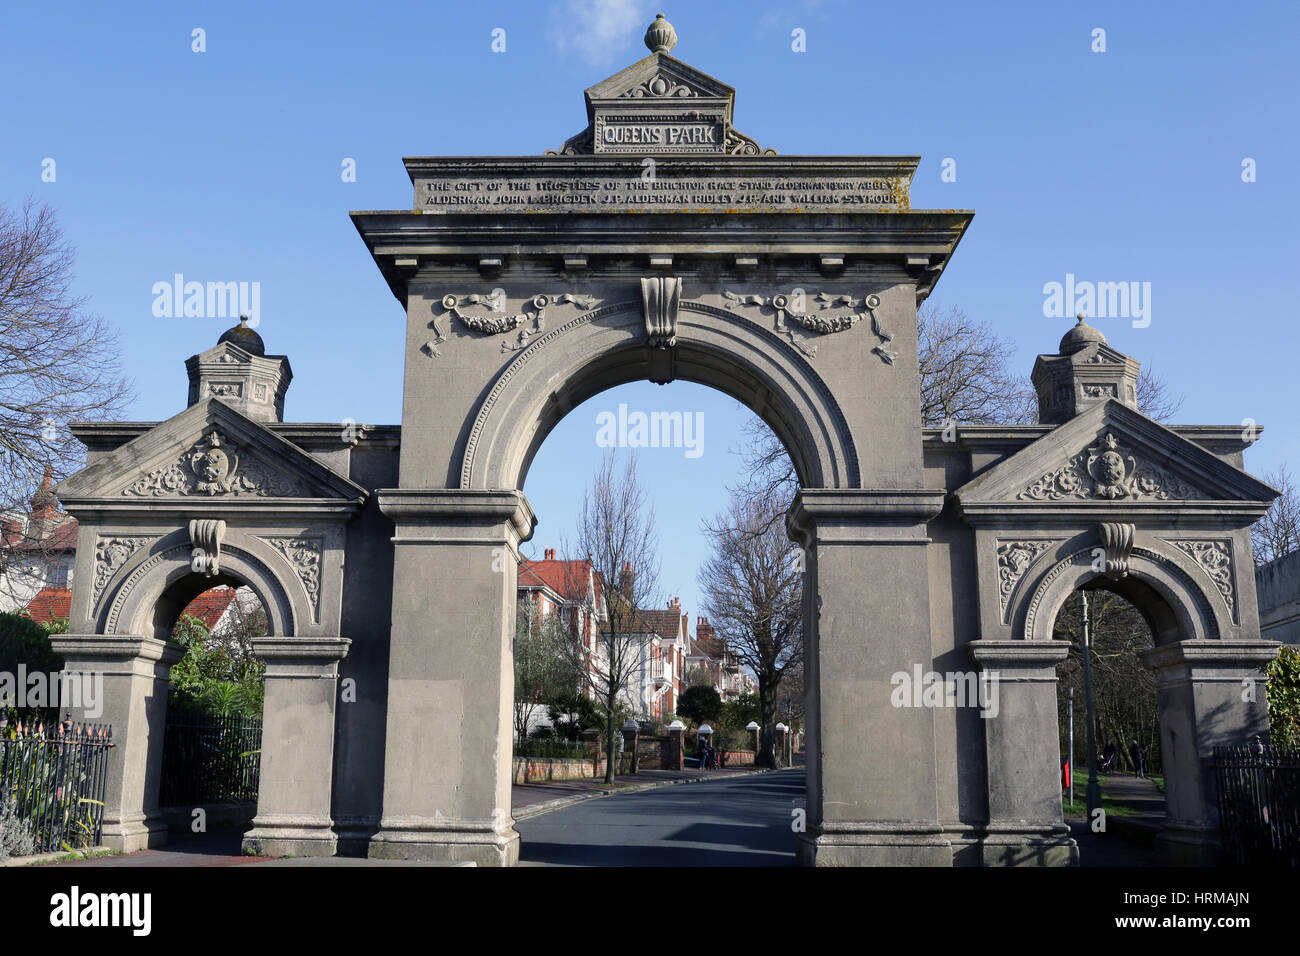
column 744, row 821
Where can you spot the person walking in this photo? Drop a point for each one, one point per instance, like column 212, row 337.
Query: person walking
column 1136, row 755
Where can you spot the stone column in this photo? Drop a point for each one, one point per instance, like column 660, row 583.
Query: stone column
column 135, row 674
column 778, row 744
column 1017, row 704
column 297, row 763
column 447, row 769
column 872, row 795
column 1210, row 693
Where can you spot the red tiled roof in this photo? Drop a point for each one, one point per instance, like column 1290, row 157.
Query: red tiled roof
column 49, row 603
column 209, row 606
column 567, row 578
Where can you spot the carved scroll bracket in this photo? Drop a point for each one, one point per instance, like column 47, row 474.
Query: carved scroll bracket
column 661, row 297
column 205, row 538
column 1117, row 543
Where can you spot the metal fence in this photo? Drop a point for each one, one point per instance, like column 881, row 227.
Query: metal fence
column 54, row 780
column 208, row 759
column 1259, row 803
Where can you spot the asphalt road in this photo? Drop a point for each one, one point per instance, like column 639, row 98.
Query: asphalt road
column 745, row 821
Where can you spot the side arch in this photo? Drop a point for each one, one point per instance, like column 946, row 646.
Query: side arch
column 606, row 347
column 157, row 584
column 1175, row 606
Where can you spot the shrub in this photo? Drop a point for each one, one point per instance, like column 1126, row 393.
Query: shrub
column 16, row 837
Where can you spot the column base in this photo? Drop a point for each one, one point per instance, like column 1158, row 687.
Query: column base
column 1187, row 845
column 139, row 833
column 1029, row 846
column 290, row 836
column 875, row 845
column 445, row 841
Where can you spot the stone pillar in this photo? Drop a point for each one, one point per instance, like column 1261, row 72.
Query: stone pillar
column 675, row 758
column 778, row 744
column 872, row 795
column 629, row 747
column 135, row 672
column 1017, row 705
column 297, row 766
column 1204, row 689
column 447, row 769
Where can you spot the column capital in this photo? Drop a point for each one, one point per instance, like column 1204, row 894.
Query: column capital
column 101, row 649
column 412, row 509
column 1022, row 659
column 1208, row 656
column 882, row 514
column 301, row 656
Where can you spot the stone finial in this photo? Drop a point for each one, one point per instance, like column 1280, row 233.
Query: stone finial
column 1086, row 371
column 660, row 37
column 1080, row 337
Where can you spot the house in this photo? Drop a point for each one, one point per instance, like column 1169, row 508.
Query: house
column 720, row 663
column 573, row 590
column 37, row 552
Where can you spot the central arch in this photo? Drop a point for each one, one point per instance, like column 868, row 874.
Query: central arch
column 606, row 347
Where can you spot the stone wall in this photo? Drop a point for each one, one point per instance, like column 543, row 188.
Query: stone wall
column 1278, row 586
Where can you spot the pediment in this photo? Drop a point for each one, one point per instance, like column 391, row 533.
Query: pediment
column 659, row 76
column 1113, row 455
column 208, row 451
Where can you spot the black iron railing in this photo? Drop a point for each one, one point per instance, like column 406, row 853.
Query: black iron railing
column 1259, row 803
column 53, row 781
column 209, row 759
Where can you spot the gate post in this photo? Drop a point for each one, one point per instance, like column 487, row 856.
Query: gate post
column 297, row 760
column 134, row 698
column 447, row 767
column 872, row 794
column 1204, row 689
column 1018, row 683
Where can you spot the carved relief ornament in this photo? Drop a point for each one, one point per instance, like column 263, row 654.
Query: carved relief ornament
column 212, row 467
column 819, row 322
column 1107, row 470
column 497, row 321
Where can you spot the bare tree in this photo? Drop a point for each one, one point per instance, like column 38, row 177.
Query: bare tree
column 966, row 374
column 1154, row 397
column 58, row 364
column 1278, row 532
column 752, row 590
column 616, row 534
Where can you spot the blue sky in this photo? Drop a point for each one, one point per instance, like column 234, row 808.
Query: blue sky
column 225, row 165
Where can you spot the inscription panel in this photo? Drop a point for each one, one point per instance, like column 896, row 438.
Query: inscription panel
column 660, row 184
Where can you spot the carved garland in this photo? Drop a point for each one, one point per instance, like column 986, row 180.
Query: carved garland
column 212, row 468
column 1215, row 559
column 821, row 324
column 500, row 323
column 304, row 553
column 1107, row 471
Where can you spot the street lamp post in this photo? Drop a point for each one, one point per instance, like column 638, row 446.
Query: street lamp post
column 1093, row 793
